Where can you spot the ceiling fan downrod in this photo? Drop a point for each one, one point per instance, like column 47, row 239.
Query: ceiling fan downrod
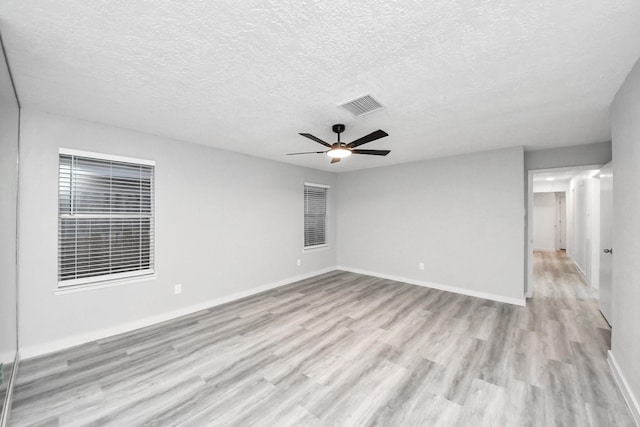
column 339, row 128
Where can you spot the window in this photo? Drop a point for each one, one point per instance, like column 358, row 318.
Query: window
column 105, row 218
column 315, row 215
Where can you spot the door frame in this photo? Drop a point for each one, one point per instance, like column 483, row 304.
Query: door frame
column 529, row 217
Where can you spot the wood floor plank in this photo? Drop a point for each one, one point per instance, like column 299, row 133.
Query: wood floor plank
column 344, row 349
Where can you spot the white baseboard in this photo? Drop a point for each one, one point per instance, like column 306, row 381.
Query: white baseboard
column 580, row 271
column 623, row 385
column 49, row 347
column 468, row 292
column 545, row 249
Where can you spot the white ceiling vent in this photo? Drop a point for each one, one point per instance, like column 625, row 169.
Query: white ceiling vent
column 363, row 105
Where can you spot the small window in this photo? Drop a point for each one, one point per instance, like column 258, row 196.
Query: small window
column 315, row 215
column 105, row 218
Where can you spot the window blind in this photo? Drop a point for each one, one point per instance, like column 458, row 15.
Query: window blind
column 105, row 220
column 315, row 215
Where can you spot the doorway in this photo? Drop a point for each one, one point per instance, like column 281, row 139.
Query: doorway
column 564, row 202
column 549, row 220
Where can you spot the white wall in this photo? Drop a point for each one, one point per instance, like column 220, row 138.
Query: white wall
column 594, row 270
column 583, row 221
column 577, row 201
column 225, row 223
column 578, row 155
column 463, row 217
column 544, row 221
column 551, row 186
column 9, row 118
column 625, row 131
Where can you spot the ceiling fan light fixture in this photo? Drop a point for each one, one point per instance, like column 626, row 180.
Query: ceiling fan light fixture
column 339, row 153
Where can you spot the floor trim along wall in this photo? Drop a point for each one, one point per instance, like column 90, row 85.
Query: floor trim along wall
column 580, row 272
column 40, row 349
column 462, row 291
column 632, row 402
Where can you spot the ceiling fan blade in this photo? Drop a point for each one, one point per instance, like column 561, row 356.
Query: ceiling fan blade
column 368, row 138
column 335, row 160
column 313, row 138
column 372, row 152
column 306, row 152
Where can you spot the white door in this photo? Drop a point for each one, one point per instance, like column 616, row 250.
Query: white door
column 606, row 239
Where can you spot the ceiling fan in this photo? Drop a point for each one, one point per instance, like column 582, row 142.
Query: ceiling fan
column 339, row 150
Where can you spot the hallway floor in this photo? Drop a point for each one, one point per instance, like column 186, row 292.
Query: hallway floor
column 345, row 349
column 574, row 340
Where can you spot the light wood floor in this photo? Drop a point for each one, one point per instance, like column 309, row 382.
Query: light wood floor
column 6, row 374
column 345, row 349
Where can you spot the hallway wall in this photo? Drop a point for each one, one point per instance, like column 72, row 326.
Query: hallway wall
column 583, row 226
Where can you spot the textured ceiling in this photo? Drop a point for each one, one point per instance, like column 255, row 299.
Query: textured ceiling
column 247, row 76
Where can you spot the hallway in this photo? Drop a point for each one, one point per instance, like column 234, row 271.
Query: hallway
column 574, row 340
column 556, row 277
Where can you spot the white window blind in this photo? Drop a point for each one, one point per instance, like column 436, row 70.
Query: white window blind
column 315, row 215
column 105, row 219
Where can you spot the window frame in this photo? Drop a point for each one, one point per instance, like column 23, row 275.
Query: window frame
column 310, row 248
column 107, row 280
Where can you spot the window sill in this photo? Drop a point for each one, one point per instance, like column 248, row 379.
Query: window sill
column 315, row 248
column 104, row 284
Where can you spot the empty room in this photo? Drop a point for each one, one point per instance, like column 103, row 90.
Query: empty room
column 319, row 213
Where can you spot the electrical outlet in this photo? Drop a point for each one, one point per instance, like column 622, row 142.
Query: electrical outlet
column 177, row 289
column 299, row 262
column 421, row 266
